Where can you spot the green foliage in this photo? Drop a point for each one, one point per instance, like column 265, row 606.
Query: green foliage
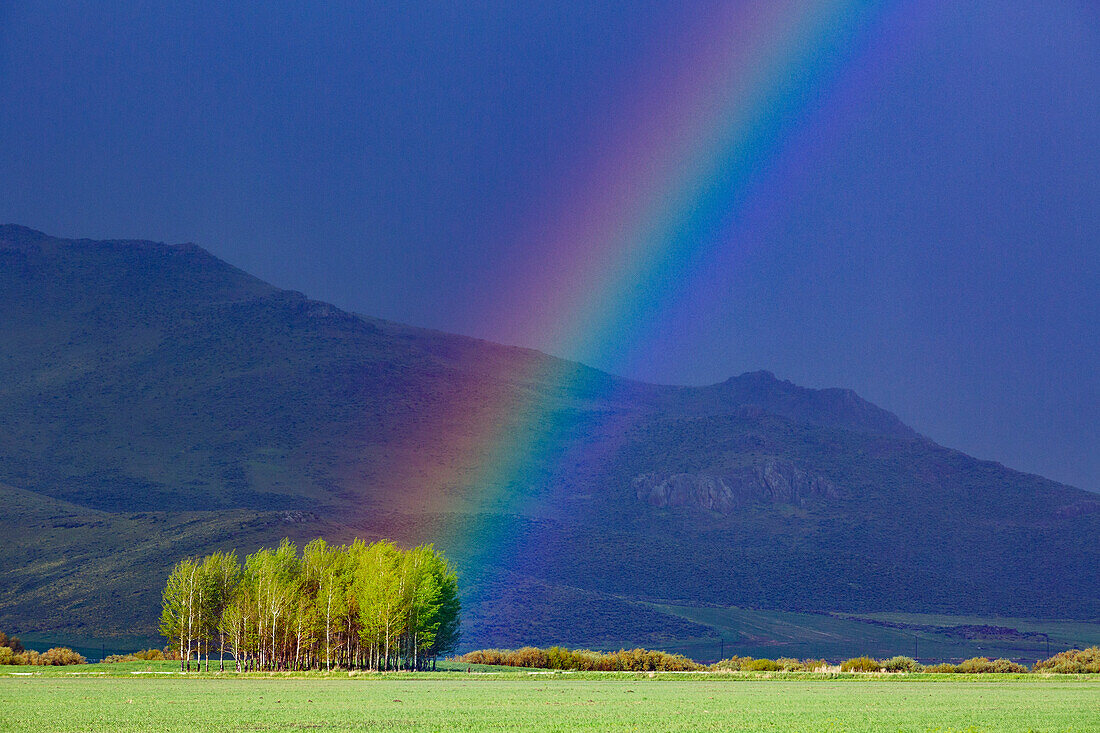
column 1072, row 661
column 942, row 668
column 759, row 665
column 556, row 657
column 984, row 665
column 901, row 664
column 783, row 664
column 145, row 655
column 861, row 664
column 790, row 664
column 28, row 657
column 1007, row 666
column 975, row 665
column 361, row 605
column 732, row 663
column 60, row 657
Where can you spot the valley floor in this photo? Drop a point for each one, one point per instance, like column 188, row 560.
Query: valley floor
column 150, row 697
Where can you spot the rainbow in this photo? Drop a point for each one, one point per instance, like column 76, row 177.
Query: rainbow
column 678, row 170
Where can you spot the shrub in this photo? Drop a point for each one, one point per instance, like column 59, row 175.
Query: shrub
column 860, row 664
column 29, row 656
column 733, row 664
column 60, row 656
column 901, row 664
column 556, row 657
column 529, row 656
column 560, row 658
column 942, row 667
column 1072, row 661
column 7, row 656
column 975, row 665
column 586, row 659
column 483, row 656
column 646, row 660
column 147, row 655
column 1007, row 665
column 150, row 655
column 983, row 665
column 760, row 665
column 784, row 664
column 677, row 663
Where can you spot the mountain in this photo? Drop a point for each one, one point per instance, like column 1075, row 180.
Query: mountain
column 157, row 402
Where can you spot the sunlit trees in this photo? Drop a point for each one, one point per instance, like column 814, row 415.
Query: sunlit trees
column 326, row 577
column 178, row 609
column 363, row 605
column 221, row 574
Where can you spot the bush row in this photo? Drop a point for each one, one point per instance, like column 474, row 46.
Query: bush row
column 147, row 655
column 58, row 657
column 783, row 664
column 556, row 657
column 1074, row 661
column 869, row 664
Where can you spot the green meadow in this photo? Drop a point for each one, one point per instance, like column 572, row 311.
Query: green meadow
column 154, row 697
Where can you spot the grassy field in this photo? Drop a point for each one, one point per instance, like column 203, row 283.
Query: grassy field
column 142, row 697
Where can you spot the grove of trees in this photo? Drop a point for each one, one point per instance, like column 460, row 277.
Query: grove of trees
column 361, row 605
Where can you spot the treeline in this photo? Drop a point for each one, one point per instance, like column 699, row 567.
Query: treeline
column 13, row 652
column 1074, row 661
column 356, row 606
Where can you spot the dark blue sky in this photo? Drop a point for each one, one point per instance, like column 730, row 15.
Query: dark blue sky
column 930, row 236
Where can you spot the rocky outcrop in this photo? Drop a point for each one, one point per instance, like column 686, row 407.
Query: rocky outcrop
column 1077, row 509
column 768, row 482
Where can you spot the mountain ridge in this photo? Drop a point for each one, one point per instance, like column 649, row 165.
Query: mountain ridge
column 156, row 381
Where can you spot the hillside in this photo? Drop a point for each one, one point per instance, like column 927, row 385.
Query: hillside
column 155, row 402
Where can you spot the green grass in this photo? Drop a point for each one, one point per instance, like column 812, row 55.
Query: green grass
column 76, row 699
